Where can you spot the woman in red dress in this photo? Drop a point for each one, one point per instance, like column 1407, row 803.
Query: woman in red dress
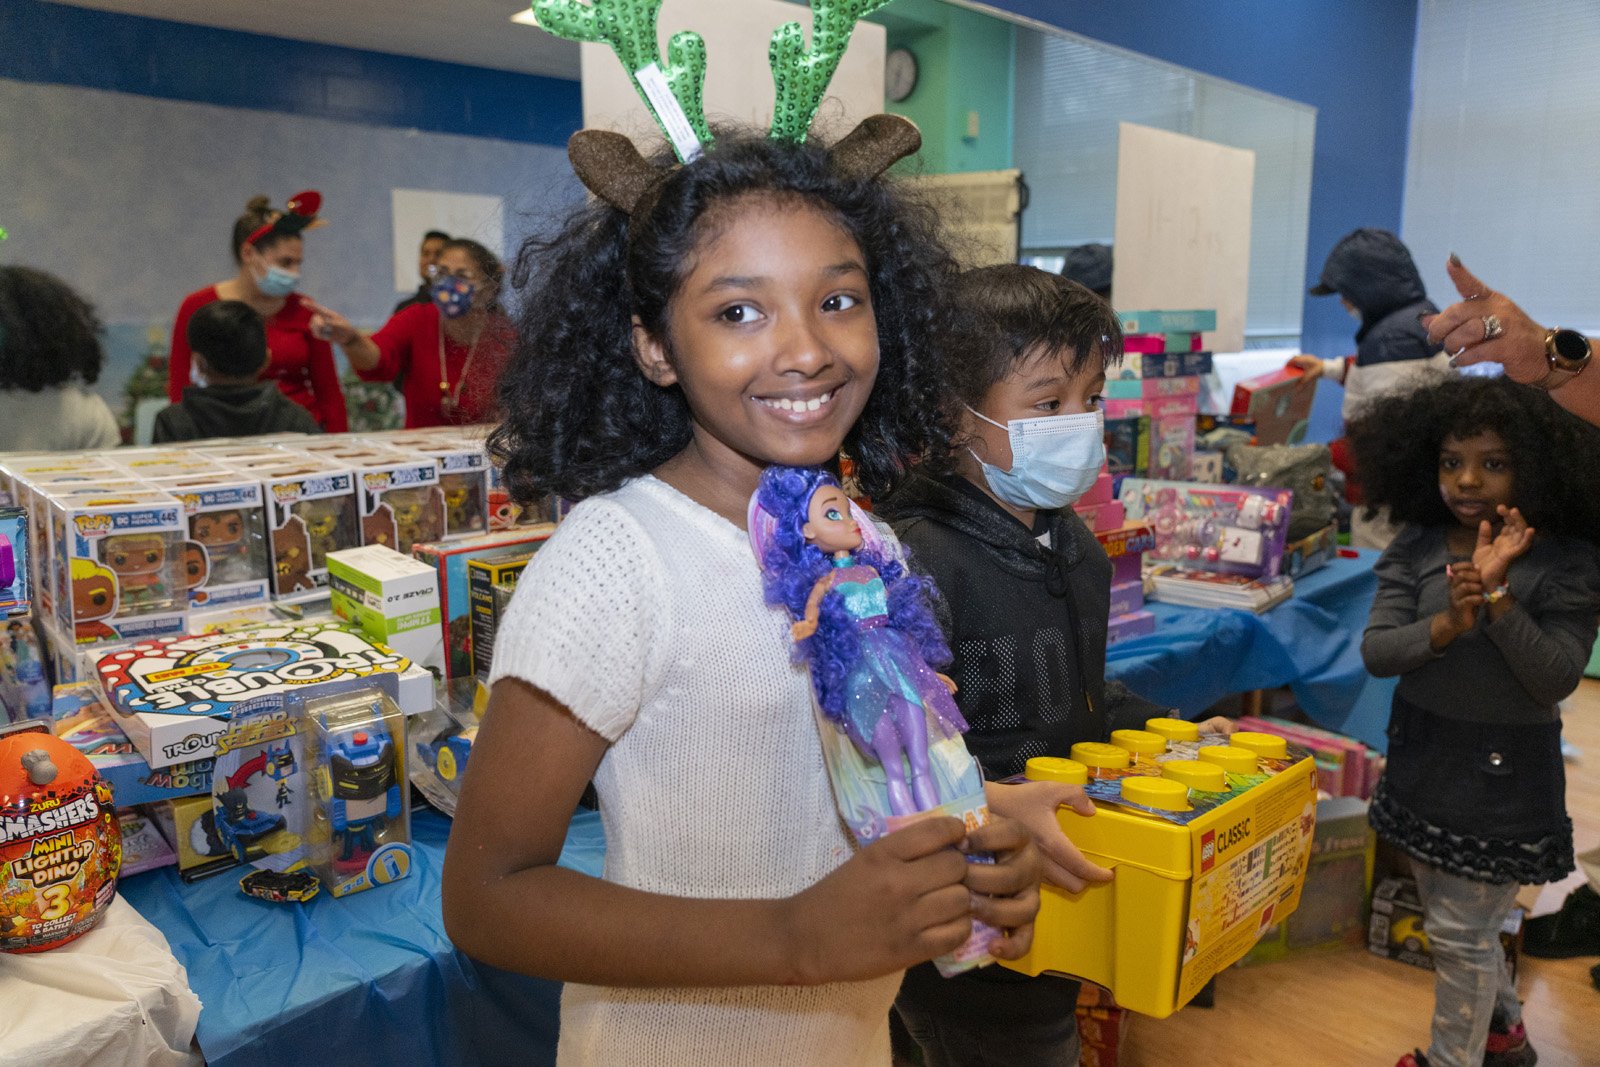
column 269, row 250
column 450, row 350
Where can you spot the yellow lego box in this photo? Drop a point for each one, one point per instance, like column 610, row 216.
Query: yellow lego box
column 1209, row 838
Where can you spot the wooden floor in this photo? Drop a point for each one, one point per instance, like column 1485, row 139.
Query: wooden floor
column 1354, row 1008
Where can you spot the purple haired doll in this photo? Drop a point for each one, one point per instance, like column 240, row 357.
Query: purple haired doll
column 864, row 627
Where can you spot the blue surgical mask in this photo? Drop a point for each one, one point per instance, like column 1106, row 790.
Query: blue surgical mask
column 1054, row 459
column 453, row 296
column 278, row 282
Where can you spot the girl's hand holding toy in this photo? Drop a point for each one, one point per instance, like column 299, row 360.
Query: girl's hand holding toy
column 1033, row 805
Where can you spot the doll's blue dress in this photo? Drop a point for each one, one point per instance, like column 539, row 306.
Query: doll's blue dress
column 889, row 668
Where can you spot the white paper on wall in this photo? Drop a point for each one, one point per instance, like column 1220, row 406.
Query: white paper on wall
column 738, row 77
column 1183, row 228
column 416, row 211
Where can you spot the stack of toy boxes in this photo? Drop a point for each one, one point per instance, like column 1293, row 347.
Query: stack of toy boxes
column 464, row 477
column 400, row 502
column 1126, row 546
column 311, row 511
column 450, row 561
column 1153, row 396
column 1345, row 766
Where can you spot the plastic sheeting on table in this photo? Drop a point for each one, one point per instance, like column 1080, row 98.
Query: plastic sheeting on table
column 114, row 997
column 1311, row 643
column 366, row 979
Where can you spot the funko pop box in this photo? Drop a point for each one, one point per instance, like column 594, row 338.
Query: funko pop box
column 118, row 559
column 226, row 555
column 311, row 511
column 174, row 697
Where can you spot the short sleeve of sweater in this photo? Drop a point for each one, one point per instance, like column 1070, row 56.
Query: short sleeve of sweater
column 589, row 618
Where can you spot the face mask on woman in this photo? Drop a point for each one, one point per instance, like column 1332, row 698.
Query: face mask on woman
column 453, row 295
column 1054, row 459
column 275, row 281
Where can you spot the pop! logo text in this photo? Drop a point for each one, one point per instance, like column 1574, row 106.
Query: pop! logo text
column 92, row 525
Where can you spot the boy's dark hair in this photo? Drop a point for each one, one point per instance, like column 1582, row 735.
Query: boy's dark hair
column 1555, row 456
column 1012, row 312
column 434, row 235
column 231, row 336
column 49, row 334
column 581, row 418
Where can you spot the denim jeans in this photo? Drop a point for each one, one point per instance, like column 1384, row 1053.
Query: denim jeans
column 1472, row 983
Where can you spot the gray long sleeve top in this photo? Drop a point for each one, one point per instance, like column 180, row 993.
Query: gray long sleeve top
column 1512, row 670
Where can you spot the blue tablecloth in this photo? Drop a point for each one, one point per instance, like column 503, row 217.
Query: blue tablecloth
column 367, row 979
column 1311, row 643
column 372, row 979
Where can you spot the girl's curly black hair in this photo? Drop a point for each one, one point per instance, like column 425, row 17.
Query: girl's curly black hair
column 49, row 335
column 580, row 418
column 1555, row 456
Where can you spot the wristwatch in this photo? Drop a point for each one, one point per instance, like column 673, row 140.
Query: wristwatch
column 1567, row 352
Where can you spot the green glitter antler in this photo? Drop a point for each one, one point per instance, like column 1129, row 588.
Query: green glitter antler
column 802, row 74
column 629, row 27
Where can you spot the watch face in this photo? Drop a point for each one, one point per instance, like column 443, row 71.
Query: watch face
column 1570, row 346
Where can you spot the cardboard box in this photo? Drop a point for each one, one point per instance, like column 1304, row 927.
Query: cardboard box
column 1206, row 466
column 1161, row 365
column 1152, row 388
column 1333, row 904
column 189, row 825
column 1107, row 516
column 394, row 599
column 1103, row 491
column 1126, row 627
column 1311, row 552
column 119, row 560
column 173, row 698
column 227, row 520
column 1183, row 406
column 1128, row 445
column 449, row 560
column 1126, row 597
column 91, row 729
column 1396, row 929
column 311, row 511
column 1194, row 321
column 1227, row 529
column 484, row 576
column 1279, row 403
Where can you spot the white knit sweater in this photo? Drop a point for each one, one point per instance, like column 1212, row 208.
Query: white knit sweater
column 644, row 616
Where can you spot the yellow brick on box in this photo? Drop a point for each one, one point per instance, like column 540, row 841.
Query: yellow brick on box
column 1210, row 843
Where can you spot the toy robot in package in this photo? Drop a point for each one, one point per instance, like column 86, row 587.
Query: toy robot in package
column 361, row 819
column 60, row 846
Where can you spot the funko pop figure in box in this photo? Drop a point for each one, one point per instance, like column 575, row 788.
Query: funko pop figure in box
column 94, row 598
column 227, row 544
column 366, row 793
column 139, row 561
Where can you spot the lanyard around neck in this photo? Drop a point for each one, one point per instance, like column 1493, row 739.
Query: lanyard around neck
column 450, row 399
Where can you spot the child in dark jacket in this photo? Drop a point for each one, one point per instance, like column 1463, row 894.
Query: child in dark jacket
column 1028, row 589
column 229, row 342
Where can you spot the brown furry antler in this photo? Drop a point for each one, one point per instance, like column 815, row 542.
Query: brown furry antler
column 875, row 145
column 611, row 168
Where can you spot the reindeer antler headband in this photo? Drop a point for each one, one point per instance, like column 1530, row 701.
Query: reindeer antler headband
column 609, row 164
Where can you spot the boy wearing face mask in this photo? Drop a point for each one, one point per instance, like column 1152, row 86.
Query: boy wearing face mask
column 1028, row 590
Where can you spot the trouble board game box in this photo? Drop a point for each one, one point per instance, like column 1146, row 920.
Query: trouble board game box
column 174, row 697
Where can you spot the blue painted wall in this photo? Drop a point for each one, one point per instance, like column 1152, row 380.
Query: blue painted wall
column 61, row 45
column 1351, row 59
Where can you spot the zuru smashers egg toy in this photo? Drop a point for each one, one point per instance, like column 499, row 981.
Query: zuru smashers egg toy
column 60, row 845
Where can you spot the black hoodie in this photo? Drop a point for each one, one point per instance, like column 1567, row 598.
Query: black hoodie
column 1028, row 623
column 1374, row 271
column 231, row 411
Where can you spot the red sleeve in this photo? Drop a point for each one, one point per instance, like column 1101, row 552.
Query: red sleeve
column 396, row 340
column 179, row 356
column 325, row 384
